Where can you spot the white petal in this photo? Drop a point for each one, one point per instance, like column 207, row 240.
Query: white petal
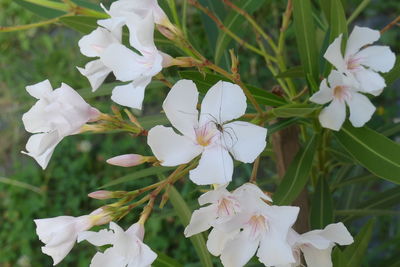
column 333, row 116
column 201, row 220
column 95, row 72
column 114, row 25
column 170, row 148
column 217, row 240
column 317, row 258
column 370, row 81
column 249, row 189
column 334, row 54
column 360, row 37
column 136, row 230
column 41, row 147
column 324, row 95
column 132, row 94
column 314, row 239
column 180, row 107
column 36, row 120
column 378, row 58
column 93, row 44
column 100, row 238
column 110, row 258
column 125, row 64
column 244, row 140
column 213, row 196
column 275, row 250
column 215, row 167
column 239, row 251
column 58, row 253
column 223, row 102
column 39, row 90
column 146, row 256
column 141, row 32
column 361, row 109
column 338, row 233
column 337, row 78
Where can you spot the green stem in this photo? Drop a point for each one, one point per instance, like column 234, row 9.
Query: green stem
column 29, row 26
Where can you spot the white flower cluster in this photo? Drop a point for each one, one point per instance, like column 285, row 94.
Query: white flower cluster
column 357, row 73
column 245, row 223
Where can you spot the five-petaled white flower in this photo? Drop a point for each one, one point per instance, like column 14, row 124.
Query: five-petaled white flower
column 210, row 134
column 127, row 248
column 362, row 64
column 60, row 233
column 55, row 115
column 126, row 64
column 342, row 90
column 317, row 245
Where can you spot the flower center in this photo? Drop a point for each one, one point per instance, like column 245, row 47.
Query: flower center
column 227, row 206
column 353, row 64
column 341, row 92
column 258, row 224
column 204, row 135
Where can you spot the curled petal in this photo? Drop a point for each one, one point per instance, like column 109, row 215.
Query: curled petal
column 338, row 233
column 93, row 44
column 201, row 220
column 317, row 257
column 39, row 90
column 170, row 148
column 95, row 72
column 132, row 94
column 41, row 147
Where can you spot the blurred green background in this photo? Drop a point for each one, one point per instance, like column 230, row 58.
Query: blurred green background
column 78, row 164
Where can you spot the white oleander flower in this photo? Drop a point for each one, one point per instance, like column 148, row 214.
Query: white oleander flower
column 57, row 114
column 60, row 233
column 127, row 248
column 317, row 245
column 362, row 64
column 341, row 91
column 211, row 134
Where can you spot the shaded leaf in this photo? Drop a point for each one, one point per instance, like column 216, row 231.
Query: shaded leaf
column 165, row 261
column 42, row 11
column 83, row 24
column 321, row 205
column 294, row 110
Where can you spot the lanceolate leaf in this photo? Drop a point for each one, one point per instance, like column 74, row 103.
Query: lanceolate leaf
column 394, row 74
column 184, row 214
column 165, row 261
column 321, row 205
column 295, row 72
column 294, row 110
column 234, row 21
column 306, row 37
column 297, row 175
column 377, row 153
column 42, row 11
column 81, row 24
column 204, row 82
column 338, row 23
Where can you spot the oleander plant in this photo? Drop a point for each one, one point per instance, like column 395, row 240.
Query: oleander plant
column 270, row 160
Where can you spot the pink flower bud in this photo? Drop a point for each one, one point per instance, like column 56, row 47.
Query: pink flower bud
column 127, row 160
column 101, row 194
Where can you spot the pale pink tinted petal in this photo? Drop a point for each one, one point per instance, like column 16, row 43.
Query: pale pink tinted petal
column 217, row 240
column 213, row 196
column 132, row 94
column 324, row 95
column 333, row 116
column 315, row 239
column 360, row 37
column 171, row 148
column 180, row 107
column 250, row 189
column 338, row 233
column 95, row 72
column 201, row 220
column 275, row 250
column 100, row 238
column 336, row 78
column 378, row 58
column 334, row 54
column 361, row 109
column 316, row 257
column 125, row 64
column 93, row 44
column 370, row 81
column 223, row 102
column 126, row 160
column 245, row 140
column 215, row 167
column 39, row 90
column 239, row 251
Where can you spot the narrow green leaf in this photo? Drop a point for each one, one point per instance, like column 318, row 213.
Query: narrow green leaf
column 355, row 253
column 377, row 153
column 338, row 23
column 83, row 24
column 184, row 214
column 281, row 124
column 150, row 121
column 358, row 10
column 355, row 180
column 165, row 261
column 297, row 175
column 306, row 37
column 294, row 110
column 394, row 74
column 137, row 175
column 234, row 21
column 89, row 5
column 204, row 82
column 321, row 205
column 295, row 72
column 363, row 212
column 41, row 11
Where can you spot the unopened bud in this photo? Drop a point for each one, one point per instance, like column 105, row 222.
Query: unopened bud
column 166, row 32
column 101, row 194
column 127, row 160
